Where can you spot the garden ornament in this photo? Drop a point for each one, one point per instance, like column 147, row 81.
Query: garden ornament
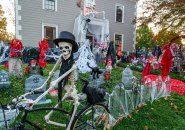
column 127, row 76
column 68, row 73
column 95, row 71
column 33, row 68
column 166, row 61
column 109, row 66
column 15, row 63
column 37, row 59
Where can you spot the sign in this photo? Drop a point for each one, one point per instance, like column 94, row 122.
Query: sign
column 33, row 82
column 4, row 79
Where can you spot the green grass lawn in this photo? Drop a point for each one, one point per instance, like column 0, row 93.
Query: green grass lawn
column 163, row 114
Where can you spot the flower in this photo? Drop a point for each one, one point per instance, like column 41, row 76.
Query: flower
column 16, row 48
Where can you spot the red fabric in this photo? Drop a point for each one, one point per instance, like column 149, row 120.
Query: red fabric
column 166, row 62
column 27, row 70
column 177, row 85
column 42, row 63
column 147, row 68
column 15, row 47
column 43, row 46
column 6, row 66
column 132, row 56
column 107, row 75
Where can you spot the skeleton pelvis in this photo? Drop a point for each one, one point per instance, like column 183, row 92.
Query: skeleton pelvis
column 69, row 88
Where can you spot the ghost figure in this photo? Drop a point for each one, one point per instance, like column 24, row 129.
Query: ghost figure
column 85, row 56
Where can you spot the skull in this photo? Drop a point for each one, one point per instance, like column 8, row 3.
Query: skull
column 66, row 49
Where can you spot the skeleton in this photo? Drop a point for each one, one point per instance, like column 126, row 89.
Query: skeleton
column 71, row 92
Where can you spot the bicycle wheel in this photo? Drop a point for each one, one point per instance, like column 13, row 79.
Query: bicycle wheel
column 92, row 117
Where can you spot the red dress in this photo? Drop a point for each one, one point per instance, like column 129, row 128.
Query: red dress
column 166, row 62
column 147, row 68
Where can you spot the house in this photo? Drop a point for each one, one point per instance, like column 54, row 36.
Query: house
column 37, row 19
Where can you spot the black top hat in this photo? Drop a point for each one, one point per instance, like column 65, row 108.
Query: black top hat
column 65, row 36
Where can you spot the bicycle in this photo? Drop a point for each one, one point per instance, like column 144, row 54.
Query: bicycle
column 90, row 116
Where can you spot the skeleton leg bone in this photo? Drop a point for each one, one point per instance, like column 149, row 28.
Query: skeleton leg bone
column 76, row 104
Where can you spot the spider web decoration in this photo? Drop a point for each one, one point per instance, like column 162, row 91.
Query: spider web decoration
column 85, row 56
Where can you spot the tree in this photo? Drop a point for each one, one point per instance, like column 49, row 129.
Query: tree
column 165, row 14
column 144, row 37
column 164, row 37
column 4, row 35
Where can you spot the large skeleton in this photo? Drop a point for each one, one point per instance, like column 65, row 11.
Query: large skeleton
column 71, row 74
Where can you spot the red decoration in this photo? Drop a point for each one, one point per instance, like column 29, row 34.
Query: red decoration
column 16, row 48
column 27, row 70
column 166, row 62
column 107, row 75
column 176, row 85
column 43, row 46
column 6, row 65
column 147, row 68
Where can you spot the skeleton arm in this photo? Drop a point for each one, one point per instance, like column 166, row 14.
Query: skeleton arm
column 53, row 83
column 56, row 65
column 50, row 73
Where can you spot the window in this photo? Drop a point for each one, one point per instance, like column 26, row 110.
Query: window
column 49, row 32
column 50, row 4
column 119, row 13
column 118, row 38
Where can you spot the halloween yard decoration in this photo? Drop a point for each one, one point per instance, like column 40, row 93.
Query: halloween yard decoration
column 67, row 77
column 95, row 71
column 111, row 53
column 166, row 61
column 37, row 59
column 15, row 63
column 85, row 56
column 68, row 46
column 4, row 80
column 33, row 68
column 4, row 52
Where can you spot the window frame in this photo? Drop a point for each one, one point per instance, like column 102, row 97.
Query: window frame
column 44, row 7
column 122, row 39
column 122, row 12
column 49, row 25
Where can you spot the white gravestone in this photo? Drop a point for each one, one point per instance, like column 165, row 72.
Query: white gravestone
column 15, row 67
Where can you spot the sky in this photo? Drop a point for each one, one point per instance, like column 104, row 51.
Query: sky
column 8, row 9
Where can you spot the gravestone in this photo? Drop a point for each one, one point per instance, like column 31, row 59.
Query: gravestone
column 55, row 76
column 15, row 67
column 4, row 79
column 33, row 82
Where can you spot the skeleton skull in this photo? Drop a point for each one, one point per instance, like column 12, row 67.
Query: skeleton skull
column 66, row 49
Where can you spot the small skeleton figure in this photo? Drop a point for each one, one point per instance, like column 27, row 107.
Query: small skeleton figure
column 33, row 68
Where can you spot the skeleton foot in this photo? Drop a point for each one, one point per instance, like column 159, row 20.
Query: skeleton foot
column 50, row 113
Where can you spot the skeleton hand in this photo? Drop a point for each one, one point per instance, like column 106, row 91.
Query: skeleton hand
column 53, row 84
